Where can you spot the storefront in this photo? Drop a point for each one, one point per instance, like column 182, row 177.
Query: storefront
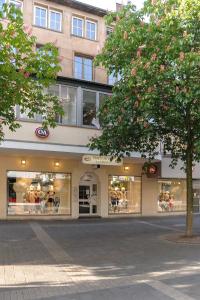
column 48, row 188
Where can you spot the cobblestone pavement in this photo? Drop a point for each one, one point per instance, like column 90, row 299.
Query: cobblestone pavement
column 120, row 259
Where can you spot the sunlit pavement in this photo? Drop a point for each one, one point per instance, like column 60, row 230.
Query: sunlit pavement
column 118, row 259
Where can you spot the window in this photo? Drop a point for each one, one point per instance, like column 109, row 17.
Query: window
column 83, row 68
column 68, row 97
column 55, row 20
column 171, row 195
column 124, row 194
column 16, row 3
column 40, row 16
column 45, row 18
column 92, row 101
column 2, row 2
column 109, row 30
column 77, row 26
column 84, row 28
column 91, row 30
column 112, row 79
column 38, row 193
column 89, row 107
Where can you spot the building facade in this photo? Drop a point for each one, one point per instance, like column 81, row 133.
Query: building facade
column 53, row 174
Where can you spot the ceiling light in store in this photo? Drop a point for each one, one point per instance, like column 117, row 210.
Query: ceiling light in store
column 57, row 164
column 126, row 168
column 23, row 162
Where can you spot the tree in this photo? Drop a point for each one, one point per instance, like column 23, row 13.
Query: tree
column 24, row 72
column 156, row 50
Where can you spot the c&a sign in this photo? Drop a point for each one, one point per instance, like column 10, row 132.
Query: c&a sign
column 42, row 132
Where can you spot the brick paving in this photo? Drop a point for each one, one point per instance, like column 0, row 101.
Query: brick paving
column 117, row 259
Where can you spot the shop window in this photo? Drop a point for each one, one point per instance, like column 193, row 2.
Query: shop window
column 38, row 193
column 83, row 68
column 172, row 195
column 124, row 194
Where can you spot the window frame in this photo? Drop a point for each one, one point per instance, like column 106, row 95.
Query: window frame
column 50, row 10
column 83, row 57
column 72, row 27
column 44, row 8
column 92, row 22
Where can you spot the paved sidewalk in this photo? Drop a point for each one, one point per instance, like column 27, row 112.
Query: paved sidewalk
column 98, row 259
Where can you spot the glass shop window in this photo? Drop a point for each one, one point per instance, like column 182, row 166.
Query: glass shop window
column 124, row 194
column 38, row 193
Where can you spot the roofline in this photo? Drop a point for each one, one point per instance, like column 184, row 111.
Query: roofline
column 86, row 84
column 83, row 7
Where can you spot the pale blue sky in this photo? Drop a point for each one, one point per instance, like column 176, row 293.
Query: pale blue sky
column 111, row 4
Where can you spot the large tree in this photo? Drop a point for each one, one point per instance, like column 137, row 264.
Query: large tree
column 156, row 50
column 24, row 72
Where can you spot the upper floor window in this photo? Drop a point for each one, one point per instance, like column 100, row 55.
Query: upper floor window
column 47, row 18
column 83, row 68
column 112, row 79
column 55, row 20
column 16, row 3
column 91, row 30
column 109, row 30
column 40, row 16
column 77, row 26
column 84, row 28
column 67, row 95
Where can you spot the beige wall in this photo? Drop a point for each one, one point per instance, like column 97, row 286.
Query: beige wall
column 64, row 41
column 64, row 135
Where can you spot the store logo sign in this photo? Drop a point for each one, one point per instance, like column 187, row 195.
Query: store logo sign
column 101, row 160
column 42, row 132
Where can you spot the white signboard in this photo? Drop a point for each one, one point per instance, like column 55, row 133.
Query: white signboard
column 101, row 160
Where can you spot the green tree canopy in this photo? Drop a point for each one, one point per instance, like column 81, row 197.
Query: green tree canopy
column 25, row 72
column 156, row 50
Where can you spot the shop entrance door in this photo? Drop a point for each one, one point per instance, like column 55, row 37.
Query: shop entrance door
column 87, row 198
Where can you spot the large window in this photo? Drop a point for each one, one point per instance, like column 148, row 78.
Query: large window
column 67, row 96
column 171, row 195
column 38, row 193
column 84, row 28
column 45, row 18
column 92, row 101
column 124, row 194
column 83, row 68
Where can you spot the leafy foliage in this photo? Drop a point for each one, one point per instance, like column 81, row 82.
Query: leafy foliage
column 24, row 72
column 156, row 50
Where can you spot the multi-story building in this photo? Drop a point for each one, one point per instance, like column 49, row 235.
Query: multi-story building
column 49, row 174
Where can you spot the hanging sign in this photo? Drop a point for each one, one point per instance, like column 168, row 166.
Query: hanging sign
column 42, row 132
column 101, row 160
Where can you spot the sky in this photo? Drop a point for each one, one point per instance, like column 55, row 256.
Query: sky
column 110, row 4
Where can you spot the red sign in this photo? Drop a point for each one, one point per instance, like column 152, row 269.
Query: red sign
column 152, row 169
column 42, row 132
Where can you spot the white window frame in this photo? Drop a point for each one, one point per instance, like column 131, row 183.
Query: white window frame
column 40, row 7
column 49, row 19
column 92, row 22
column 78, row 18
column 82, row 66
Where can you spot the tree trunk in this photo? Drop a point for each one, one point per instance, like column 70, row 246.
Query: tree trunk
column 189, row 216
